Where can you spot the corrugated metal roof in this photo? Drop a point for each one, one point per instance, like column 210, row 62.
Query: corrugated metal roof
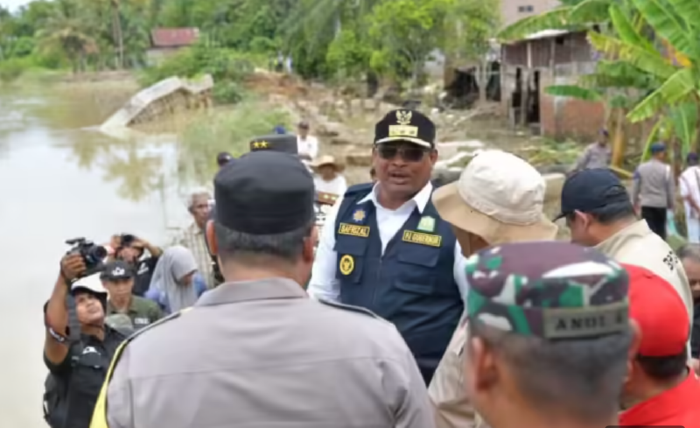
column 173, row 37
column 545, row 34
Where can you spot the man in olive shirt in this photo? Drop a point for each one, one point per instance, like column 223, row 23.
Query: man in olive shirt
column 118, row 279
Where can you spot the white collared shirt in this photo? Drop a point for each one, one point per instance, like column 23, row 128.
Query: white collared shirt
column 324, row 285
column 308, row 146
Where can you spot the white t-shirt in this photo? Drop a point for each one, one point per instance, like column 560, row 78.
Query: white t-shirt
column 308, row 146
column 337, row 186
column 688, row 186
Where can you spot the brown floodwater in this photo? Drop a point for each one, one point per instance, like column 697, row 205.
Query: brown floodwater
column 61, row 178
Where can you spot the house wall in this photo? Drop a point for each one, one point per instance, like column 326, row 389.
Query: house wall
column 560, row 61
column 515, row 10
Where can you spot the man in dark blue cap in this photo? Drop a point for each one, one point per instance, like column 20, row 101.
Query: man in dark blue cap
column 654, row 190
column 600, row 214
column 260, row 341
column 385, row 247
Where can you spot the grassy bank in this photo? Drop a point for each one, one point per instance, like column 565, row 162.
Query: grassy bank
column 227, row 129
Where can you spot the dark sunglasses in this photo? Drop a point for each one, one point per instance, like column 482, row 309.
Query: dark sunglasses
column 408, row 153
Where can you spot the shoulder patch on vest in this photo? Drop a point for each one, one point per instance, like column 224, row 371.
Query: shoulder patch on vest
column 352, row 308
column 359, row 188
column 157, row 323
column 99, row 416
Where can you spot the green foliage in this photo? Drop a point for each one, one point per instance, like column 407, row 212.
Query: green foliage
column 226, row 66
column 349, row 53
column 230, row 131
column 407, row 30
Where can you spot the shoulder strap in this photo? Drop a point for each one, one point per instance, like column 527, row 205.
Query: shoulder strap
column 99, row 415
column 358, row 309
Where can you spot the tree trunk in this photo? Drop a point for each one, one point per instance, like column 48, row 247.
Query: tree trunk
column 117, row 30
column 619, row 141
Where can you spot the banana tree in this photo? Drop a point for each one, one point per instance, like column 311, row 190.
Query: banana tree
column 651, row 47
column 668, row 51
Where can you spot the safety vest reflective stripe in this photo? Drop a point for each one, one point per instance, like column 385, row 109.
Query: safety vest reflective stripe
column 99, row 415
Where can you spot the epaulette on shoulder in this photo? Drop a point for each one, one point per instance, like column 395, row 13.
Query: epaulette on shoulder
column 157, row 323
column 352, row 308
column 359, row 188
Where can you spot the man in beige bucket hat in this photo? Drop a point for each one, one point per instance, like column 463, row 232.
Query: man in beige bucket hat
column 498, row 199
column 328, row 177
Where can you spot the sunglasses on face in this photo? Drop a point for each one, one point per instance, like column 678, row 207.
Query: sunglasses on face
column 408, row 153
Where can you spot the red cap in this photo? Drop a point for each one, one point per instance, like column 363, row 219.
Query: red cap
column 660, row 313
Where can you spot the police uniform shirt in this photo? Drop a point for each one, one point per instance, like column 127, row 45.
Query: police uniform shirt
column 324, row 285
column 83, row 371
column 261, row 353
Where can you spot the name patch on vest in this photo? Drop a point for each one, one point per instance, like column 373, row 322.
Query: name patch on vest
column 568, row 323
column 353, row 230
column 422, row 238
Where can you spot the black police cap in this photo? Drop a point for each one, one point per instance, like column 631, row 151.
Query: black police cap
column 267, row 192
column 405, row 125
column 286, row 143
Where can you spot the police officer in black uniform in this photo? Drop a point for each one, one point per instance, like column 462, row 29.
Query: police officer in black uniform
column 77, row 368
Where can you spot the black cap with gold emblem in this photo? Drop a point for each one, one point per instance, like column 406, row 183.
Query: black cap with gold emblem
column 405, row 125
column 285, row 143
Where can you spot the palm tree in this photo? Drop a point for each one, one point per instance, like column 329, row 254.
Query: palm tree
column 68, row 32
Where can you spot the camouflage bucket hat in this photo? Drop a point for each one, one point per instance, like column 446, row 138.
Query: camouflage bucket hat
column 553, row 290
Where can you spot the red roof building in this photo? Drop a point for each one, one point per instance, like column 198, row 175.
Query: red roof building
column 173, row 37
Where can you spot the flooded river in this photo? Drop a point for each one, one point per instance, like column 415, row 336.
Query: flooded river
column 59, row 180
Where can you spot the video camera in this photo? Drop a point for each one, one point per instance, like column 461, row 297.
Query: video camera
column 92, row 254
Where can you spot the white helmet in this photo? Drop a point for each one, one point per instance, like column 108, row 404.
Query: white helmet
column 90, row 283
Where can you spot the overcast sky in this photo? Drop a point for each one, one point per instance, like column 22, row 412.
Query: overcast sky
column 13, row 4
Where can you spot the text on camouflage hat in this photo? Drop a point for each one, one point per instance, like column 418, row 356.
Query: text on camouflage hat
column 549, row 289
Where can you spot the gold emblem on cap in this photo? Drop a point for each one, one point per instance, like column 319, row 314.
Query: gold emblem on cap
column 261, row 145
column 347, row 264
column 404, row 117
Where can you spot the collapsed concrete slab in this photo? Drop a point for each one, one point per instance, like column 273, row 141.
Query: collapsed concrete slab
column 163, row 98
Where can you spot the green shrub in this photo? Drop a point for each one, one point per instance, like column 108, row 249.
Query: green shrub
column 228, row 92
column 224, row 130
column 13, row 68
column 224, row 65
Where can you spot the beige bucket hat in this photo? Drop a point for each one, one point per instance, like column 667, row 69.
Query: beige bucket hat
column 327, row 160
column 498, row 197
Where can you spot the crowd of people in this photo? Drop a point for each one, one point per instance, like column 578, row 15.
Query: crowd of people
column 411, row 306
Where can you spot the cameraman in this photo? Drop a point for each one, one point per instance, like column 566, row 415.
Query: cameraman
column 141, row 255
column 77, row 369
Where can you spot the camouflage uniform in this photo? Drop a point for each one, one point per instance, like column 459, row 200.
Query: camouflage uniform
column 552, row 290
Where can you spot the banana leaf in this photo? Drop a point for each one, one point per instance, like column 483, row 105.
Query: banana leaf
column 667, row 24
column 684, row 118
column 679, row 86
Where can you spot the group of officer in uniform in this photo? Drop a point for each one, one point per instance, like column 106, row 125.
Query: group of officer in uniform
column 388, row 288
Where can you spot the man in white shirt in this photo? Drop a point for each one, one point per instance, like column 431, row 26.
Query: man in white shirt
column 384, row 246
column 328, row 177
column 307, row 145
column 690, row 192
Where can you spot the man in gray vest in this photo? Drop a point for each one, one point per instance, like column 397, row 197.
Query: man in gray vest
column 653, row 191
column 256, row 351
